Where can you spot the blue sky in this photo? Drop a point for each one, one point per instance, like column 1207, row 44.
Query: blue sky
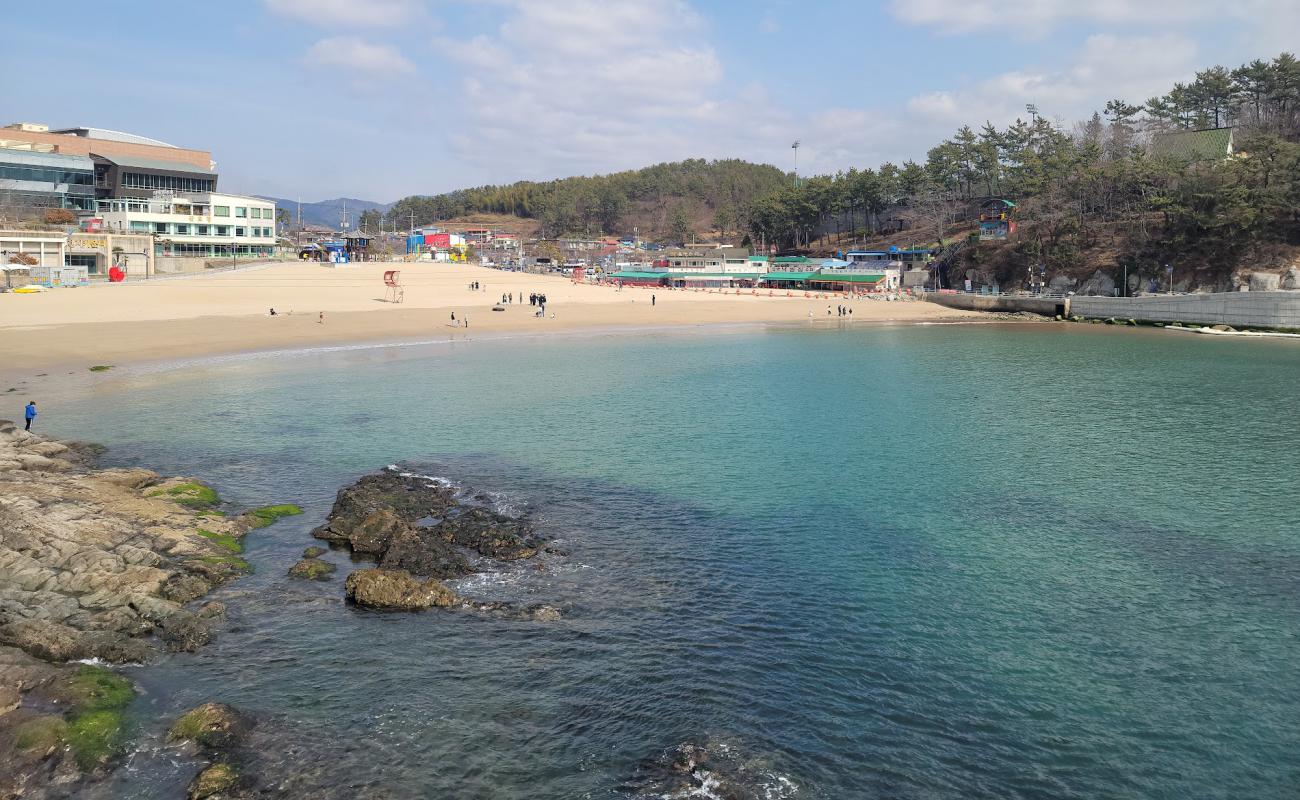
column 382, row 98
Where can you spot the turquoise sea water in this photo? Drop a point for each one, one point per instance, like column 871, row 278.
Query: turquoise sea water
column 903, row 562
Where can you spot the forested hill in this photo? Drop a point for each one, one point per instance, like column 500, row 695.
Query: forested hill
column 1204, row 178
column 665, row 198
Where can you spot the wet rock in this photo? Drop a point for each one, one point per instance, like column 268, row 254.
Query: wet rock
column 408, row 498
column 115, row 648
column 396, row 590
column 716, row 770
column 211, row 726
column 185, row 632
column 421, row 552
column 493, row 535
column 213, row 609
column 312, row 569
column 215, row 781
column 314, row 552
column 372, row 535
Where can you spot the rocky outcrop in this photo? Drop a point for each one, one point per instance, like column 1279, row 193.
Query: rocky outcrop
column 396, row 590
column 99, row 563
column 412, row 523
column 1099, row 284
column 417, row 528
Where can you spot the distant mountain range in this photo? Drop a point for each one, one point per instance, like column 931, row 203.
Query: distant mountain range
column 327, row 212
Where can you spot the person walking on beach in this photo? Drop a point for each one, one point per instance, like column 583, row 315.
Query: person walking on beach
column 29, row 414
column 453, row 320
column 652, row 301
column 321, row 320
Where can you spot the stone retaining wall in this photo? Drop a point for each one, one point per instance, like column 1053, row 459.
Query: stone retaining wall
column 1238, row 309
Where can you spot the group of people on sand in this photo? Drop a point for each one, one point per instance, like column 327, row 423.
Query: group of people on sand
column 538, row 301
column 463, row 322
column 320, row 318
column 475, row 286
column 842, row 311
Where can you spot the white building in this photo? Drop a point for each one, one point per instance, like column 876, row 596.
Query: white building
column 196, row 225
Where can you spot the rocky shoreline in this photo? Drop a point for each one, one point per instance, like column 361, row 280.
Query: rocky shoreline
column 100, row 566
column 112, row 566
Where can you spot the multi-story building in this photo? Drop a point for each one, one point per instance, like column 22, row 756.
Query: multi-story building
column 125, row 164
column 35, row 178
column 202, row 225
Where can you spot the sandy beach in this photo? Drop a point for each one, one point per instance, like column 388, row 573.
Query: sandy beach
column 229, row 312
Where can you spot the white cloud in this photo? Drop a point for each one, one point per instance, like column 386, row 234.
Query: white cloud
column 1106, row 67
column 583, row 85
column 358, row 57
column 327, row 13
column 1040, row 16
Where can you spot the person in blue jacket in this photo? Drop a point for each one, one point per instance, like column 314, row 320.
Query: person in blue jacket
column 30, row 413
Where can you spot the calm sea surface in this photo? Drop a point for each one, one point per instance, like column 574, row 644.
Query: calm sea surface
column 912, row 562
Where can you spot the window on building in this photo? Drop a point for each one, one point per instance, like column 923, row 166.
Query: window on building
column 201, row 230
column 183, row 209
column 239, row 231
column 140, row 180
column 160, row 227
column 222, row 230
column 221, row 211
column 182, row 229
column 256, row 212
column 139, row 227
column 241, row 211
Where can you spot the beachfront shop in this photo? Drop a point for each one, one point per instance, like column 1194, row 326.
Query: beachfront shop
column 854, row 282
column 634, row 278
column 787, row 280
column 713, row 280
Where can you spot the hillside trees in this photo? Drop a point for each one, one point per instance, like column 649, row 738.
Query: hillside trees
column 1099, row 183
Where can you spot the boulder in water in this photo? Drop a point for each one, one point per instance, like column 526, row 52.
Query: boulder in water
column 311, row 569
column 396, row 590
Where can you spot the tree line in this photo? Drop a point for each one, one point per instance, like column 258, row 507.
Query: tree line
column 673, row 193
column 1098, row 178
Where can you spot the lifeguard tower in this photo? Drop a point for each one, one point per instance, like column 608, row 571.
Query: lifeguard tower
column 393, row 291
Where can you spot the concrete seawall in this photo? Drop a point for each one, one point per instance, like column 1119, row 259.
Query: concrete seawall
column 1238, row 309
column 1048, row 306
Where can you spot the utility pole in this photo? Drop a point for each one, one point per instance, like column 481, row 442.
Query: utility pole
column 795, row 147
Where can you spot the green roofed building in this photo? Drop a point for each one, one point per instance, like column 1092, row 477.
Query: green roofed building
column 1208, row 144
column 635, row 278
column 787, row 279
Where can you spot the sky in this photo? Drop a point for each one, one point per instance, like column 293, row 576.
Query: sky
column 380, row 99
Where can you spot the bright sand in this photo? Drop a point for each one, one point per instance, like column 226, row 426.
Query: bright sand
column 229, row 312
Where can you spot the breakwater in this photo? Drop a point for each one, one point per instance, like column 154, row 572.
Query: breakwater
column 1047, row 306
column 1238, row 309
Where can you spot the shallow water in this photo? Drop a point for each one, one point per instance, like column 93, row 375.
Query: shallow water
column 939, row 562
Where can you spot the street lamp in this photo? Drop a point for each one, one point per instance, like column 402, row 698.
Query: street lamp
column 1170, row 269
